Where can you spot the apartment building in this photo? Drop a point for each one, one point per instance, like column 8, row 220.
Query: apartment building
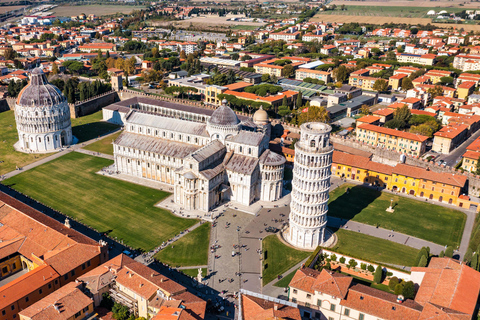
column 364, row 82
column 301, row 74
column 391, row 139
column 467, row 62
column 423, row 59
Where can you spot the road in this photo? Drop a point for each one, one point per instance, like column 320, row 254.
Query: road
column 453, row 157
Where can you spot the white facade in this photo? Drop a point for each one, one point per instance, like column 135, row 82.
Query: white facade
column 310, row 186
column 42, row 116
column 208, row 158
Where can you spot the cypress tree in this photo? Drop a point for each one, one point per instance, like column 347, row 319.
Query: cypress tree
column 378, row 276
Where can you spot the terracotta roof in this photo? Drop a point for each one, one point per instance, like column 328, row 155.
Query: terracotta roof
column 393, row 132
column 380, row 304
column 62, row 304
column 384, row 112
column 475, row 145
column 450, row 284
column 451, row 131
column 313, row 71
column 471, row 154
column 423, row 112
column 368, row 119
column 333, row 283
column 349, row 159
column 420, row 173
column 238, row 85
column 255, row 308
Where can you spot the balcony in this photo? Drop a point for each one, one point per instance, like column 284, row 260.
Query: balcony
column 124, row 299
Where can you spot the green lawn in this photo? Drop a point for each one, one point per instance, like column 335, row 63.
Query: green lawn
column 9, row 158
column 103, row 145
column 282, row 283
column 278, row 258
column 190, row 250
column 194, row 272
column 416, row 218
column 91, row 126
column 373, row 249
column 70, row 185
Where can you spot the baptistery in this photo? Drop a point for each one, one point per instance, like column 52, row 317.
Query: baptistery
column 42, row 116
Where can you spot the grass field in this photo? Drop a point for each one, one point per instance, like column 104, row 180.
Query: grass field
column 194, row 272
column 124, row 210
column 91, row 126
column 416, row 218
column 243, row 27
column 282, row 283
column 9, row 158
column 98, row 10
column 103, row 145
column 278, row 258
column 373, row 249
column 190, row 250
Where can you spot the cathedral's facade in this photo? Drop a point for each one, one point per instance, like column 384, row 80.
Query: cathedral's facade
column 207, row 156
column 42, row 115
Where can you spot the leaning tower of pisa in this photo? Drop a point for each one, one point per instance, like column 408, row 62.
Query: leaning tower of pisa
column 310, row 186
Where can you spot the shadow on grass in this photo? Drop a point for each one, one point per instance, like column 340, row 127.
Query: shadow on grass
column 351, row 203
column 93, row 130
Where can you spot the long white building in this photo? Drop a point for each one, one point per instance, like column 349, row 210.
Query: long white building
column 208, row 156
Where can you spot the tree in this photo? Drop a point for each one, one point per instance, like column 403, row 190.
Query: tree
column 342, row 259
column 9, row 54
column 265, row 77
column 235, row 56
column 402, row 114
column 183, row 55
column 246, row 58
column 378, row 276
column 370, row 268
column 468, row 256
column 341, row 74
column 441, row 254
column 352, row 263
column 365, row 109
column 446, row 80
column 315, row 114
column 423, row 262
column 273, row 79
column 333, row 256
column 392, row 283
column 395, row 124
column 54, row 68
column 409, row 290
column 407, row 84
column 477, row 171
column 436, row 91
column 107, row 301
column 398, row 290
column 391, row 55
column 288, row 71
column 120, row 312
column 284, row 100
column 299, row 102
column 449, row 252
column 380, row 85
column 284, row 110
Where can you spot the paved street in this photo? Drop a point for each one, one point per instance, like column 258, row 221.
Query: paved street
column 453, row 157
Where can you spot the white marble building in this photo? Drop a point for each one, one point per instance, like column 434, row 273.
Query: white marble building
column 310, row 186
column 42, row 116
column 208, row 156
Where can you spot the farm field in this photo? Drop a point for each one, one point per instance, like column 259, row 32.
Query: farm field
column 214, row 21
column 410, row 3
column 122, row 210
column 98, row 10
column 10, row 8
column 390, row 11
column 420, row 219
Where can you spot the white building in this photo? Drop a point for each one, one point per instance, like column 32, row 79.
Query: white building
column 310, row 186
column 42, row 115
column 208, row 156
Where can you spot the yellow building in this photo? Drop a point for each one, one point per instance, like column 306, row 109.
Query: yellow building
column 465, row 89
column 470, row 160
column 405, row 142
column 395, row 81
column 415, row 181
column 270, row 69
column 449, row 137
column 364, row 82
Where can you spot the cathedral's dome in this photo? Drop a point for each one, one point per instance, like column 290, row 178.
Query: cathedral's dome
column 39, row 92
column 260, row 115
column 224, row 116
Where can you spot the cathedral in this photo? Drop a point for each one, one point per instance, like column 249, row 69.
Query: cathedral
column 42, row 116
column 207, row 156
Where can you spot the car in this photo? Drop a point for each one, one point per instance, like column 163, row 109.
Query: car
column 271, row 229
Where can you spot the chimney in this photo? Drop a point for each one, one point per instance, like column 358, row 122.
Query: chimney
column 141, row 285
column 275, row 307
column 161, row 280
column 152, row 275
column 131, row 275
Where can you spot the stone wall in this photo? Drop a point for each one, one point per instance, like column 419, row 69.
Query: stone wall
column 4, row 106
column 92, row 105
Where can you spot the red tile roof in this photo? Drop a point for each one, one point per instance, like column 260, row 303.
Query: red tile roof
column 393, row 132
column 254, row 308
column 420, row 173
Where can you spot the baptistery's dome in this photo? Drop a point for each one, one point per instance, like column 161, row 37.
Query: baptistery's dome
column 39, row 92
column 260, row 115
column 224, row 116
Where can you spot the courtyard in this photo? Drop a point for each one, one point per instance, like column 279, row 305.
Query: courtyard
column 420, row 219
column 70, row 184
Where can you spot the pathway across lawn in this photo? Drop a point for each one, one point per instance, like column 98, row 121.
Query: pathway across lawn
column 103, row 145
column 121, row 209
column 279, row 257
column 190, row 250
column 420, row 219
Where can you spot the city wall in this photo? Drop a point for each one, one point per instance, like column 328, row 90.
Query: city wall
column 93, row 104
